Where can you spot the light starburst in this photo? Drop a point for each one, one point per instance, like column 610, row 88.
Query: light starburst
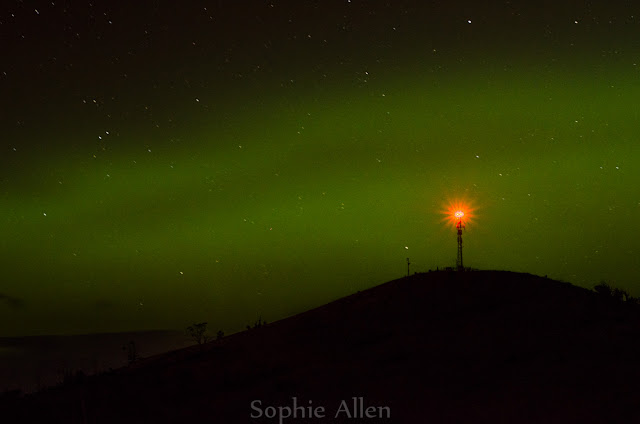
column 455, row 211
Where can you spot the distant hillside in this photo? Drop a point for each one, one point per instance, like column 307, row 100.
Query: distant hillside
column 30, row 363
column 442, row 347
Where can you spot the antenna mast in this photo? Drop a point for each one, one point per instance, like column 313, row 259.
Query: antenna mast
column 459, row 264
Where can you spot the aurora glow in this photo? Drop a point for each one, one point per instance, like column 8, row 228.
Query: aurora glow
column 164, row 164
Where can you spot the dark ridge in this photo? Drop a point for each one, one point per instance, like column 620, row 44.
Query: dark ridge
column 441, row 347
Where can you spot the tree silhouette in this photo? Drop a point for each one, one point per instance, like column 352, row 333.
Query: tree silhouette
column 620, row 295
column 197, row 332
column 603, row 288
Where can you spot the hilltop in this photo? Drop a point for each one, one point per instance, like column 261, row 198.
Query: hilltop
column 440, row 347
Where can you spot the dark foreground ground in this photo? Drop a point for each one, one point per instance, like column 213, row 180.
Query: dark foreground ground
column 443, row 347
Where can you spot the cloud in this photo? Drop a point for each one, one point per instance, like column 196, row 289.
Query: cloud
column 12, row 302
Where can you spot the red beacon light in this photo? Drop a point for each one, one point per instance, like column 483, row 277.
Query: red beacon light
column 459, row 215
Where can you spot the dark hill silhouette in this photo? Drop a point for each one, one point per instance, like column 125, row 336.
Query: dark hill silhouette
column 442, row 347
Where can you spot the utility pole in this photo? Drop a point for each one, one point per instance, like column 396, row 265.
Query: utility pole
column 408, row 265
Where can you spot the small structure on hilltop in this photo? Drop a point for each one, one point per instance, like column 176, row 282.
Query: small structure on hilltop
column 458, row 213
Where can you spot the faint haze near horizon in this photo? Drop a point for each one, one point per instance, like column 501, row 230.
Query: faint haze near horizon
column 29, row 364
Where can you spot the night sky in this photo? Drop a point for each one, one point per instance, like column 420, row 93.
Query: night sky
column 164, row 162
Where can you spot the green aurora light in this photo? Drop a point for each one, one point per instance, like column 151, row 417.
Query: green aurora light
column 278, row 190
